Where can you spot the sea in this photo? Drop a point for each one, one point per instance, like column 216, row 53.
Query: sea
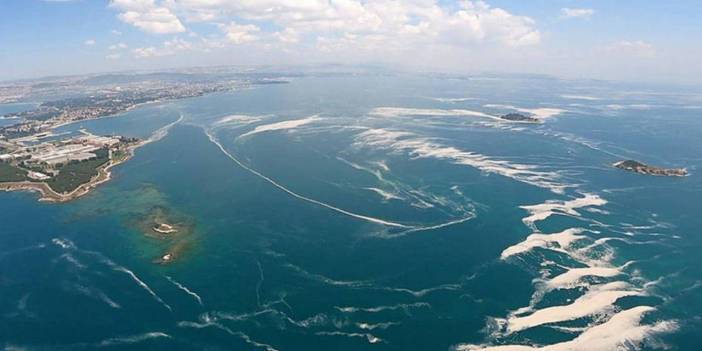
column 374, row 212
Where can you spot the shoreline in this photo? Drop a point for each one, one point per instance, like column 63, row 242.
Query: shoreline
column 47, row 194
column 104, row 174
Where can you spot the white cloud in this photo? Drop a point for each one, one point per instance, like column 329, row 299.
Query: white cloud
column 409, row 24
column 576, row 13
column 113, row 56
column 148, row 16
column 118, row 46
column 168, row 48
column 289, row 35
column 240, row 33
column 89, row 42
column 638, row 48
column 147, row 52
column 115, row 32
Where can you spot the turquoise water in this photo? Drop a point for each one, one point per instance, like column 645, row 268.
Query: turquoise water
column 374, row 213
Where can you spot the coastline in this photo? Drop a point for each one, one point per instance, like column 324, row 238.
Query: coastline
column 50, row 195
column 104, row 174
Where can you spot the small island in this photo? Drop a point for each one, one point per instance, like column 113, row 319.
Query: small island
column 641, row 168
column 165, row 228
column 518, row 117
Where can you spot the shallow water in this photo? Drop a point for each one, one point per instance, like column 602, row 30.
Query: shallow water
column 383, row 215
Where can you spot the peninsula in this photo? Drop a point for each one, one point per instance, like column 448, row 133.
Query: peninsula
column 641, row 168
column 62, row 170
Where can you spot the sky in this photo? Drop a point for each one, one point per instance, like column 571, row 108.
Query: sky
column 630, row 40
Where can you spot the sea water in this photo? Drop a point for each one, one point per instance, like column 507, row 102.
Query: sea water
column 388, row 213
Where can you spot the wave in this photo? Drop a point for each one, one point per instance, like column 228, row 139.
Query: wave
column 420, row 147
column 284, row 125
column 187, row 291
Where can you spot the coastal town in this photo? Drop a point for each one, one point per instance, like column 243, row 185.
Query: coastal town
column 61, row 170
column 34, row 157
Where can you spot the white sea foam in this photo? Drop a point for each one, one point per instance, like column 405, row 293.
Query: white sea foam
column 329, row 281
column 63, row 243
column 599, row 299
column 404, row 307
column 580, row 97
column 423, row 292
column 238, row 119
column 453, row 100
column 623, row 331
column 419, row 147
column 284, row 125
column 572, row 276
column 302, row 197
column 72, row 260
column 385, row 194
column 187, row 291
column 401, row 111
column 163, row 131
column 143, row 285
column 133, row 339
column 97, row 294
column 369, row 326
column 207, row 323
column 562, row 241
column 371, row 338
column 542, row 211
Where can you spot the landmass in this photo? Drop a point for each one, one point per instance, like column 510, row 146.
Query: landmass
column 62, row 170
column 641, row 168
column 172, row 229
column 518, row 117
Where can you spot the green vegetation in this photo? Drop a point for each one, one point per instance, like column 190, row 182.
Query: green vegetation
column 10, row 173
column 75, row 174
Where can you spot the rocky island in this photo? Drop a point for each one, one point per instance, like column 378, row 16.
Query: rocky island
column 518, row 117
column 641, row 168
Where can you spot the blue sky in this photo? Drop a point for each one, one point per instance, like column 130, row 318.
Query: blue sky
column 619, row 40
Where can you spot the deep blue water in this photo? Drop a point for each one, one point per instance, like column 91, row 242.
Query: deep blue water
column 384, row 214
